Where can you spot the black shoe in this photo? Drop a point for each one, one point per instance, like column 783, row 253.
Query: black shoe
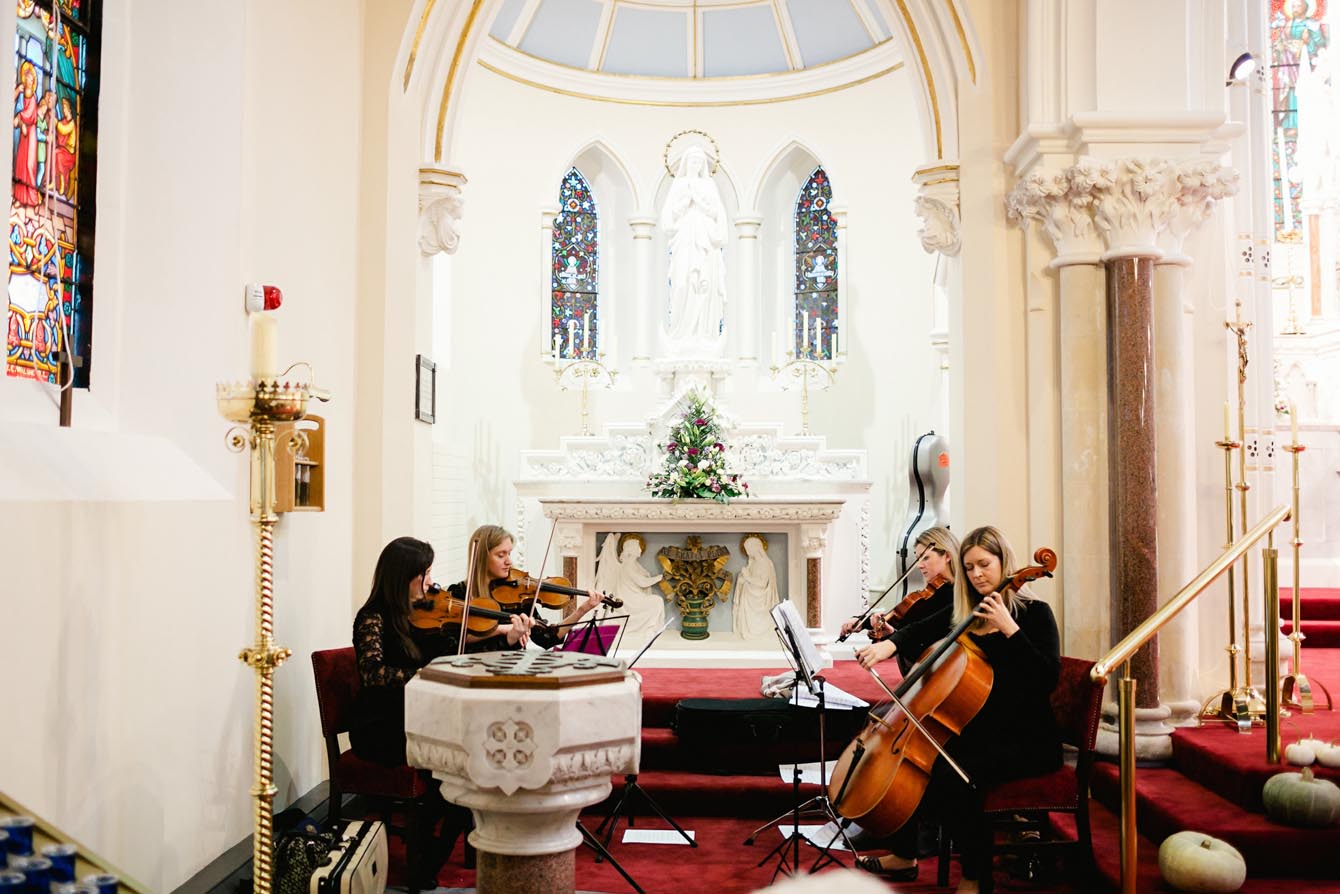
column 873, row 866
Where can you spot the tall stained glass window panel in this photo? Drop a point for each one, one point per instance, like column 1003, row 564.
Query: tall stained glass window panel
column 575, row 271
column 1302, row 115
column 816, row 288
column 51, row 214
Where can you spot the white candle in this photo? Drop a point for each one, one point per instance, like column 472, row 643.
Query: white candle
column 558, row 341
column 804, row 339
column 264, row 345
column 1293, row 422
column 586, row 332
column 818, row 337
column 1228, row 432
column 832, row 339
column 572, row 337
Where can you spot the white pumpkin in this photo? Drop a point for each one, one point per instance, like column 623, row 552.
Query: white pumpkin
column 1329, row 756
column 1193, row 861
column 1300, row 754
column 1300, row 799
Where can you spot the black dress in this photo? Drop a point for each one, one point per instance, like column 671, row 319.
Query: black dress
column 926, row 623
column 1014, row 735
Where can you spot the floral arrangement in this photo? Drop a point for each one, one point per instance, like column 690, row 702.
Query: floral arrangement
column 695, row 460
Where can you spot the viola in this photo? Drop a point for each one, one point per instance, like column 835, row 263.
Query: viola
column 438, row 609
column 882, row 775
column 897, row 616
column 519, row 592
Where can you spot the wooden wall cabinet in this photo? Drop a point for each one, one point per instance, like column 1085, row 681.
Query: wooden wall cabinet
column 300, row 474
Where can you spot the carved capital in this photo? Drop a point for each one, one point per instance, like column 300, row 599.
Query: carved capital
column 440, row 207
column 937, row 206
column 1062, row 203
column 1201, row 185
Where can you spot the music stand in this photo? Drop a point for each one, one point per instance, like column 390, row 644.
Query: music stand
column 594, row 637
column 804, row 658
column 630, row 786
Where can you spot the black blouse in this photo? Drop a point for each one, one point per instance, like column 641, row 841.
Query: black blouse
column 927, row 622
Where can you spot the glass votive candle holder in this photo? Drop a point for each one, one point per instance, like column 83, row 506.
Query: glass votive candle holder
column 38, row 872
column 62, row 860
column 20, row 834
column 65, row 888
column 105, row 883
column 12, row 882
column 84, row 889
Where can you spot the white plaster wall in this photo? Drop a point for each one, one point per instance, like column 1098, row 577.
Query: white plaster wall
column 229, row 152
column 496, row 395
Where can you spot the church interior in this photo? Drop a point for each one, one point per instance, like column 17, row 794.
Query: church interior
column 726, row 318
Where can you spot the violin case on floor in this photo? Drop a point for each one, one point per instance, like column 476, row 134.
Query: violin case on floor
column 357, row 864
column 754, row 735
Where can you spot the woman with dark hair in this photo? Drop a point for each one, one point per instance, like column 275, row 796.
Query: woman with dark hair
column 1014, row 735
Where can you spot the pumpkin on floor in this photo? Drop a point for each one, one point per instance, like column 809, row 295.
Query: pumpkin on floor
column 1301, row 799
column 1193, row 861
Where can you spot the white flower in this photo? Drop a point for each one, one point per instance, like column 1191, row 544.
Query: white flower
column 683, row 462
column 702, row 463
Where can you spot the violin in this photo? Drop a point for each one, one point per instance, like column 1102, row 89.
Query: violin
column 897, row 616
column 437, row 609
column 519, row 592
column 882, row 775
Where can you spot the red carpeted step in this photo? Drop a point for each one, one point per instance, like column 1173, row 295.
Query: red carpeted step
column 707, row 794
column 1168, row 802
column 1321, row 634
column 1320, row 603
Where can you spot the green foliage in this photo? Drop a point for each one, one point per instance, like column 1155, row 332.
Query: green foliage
column 695, row 460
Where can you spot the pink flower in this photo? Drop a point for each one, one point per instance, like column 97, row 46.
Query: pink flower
column 671, row 447
column 745, row 486
column 718, row 446
column 716, row 488
column 693, row 451
column 700, row 422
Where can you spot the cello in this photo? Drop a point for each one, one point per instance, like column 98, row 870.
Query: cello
column 928, row 478
column 882, row 774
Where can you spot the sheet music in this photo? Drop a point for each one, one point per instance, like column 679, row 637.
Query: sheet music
column 819, row 836
column 834, row 697
column 809, row 773
column 656, row 836
column 787, row 619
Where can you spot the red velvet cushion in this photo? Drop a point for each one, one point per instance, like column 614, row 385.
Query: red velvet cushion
column 353, row 774
column 1076, row 701
column 336, row 685
column 1058, row 790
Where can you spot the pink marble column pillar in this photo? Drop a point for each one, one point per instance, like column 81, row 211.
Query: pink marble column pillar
column 1133, row 493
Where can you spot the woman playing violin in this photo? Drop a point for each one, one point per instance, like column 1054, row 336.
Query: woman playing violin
column 922, row 617
column 493, row 562
column 1014, row 734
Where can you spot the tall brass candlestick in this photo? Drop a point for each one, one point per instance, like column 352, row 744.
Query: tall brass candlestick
column 1296, row 689
column 1230, row 704
column 261, row 404
column 1238, row 326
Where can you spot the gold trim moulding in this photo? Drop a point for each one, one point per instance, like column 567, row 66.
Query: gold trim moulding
column 266, row 399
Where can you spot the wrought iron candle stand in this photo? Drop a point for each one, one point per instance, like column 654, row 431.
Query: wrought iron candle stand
column 260, row 405
column 1295, row 688
column 582, row 373
column 802, row 370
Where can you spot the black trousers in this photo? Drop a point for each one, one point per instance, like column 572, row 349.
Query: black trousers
column 957, row 807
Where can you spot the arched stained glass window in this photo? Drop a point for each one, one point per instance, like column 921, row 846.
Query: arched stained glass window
column 1298, row 33
column 575, row 264
column 816, row 288
column 51, row 214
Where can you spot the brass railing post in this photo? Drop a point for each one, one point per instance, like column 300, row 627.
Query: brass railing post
column 1270, row 577
column 1129, row 840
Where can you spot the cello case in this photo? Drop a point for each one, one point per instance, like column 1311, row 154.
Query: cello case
column 928, row 480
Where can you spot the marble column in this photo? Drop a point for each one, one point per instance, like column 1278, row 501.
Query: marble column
column 813, row 541
column 644, row 316
column 745, row 306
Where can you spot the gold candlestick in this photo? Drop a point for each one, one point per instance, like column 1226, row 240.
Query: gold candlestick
column 1230, row 704
column 583, row 372
column 802, row 370
column 261, row 404
column 1296, row 689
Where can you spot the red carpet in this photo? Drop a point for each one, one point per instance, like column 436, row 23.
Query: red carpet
column 1319, row 608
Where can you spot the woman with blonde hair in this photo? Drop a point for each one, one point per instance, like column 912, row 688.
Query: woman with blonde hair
column 927, row 620
column 1014, row 734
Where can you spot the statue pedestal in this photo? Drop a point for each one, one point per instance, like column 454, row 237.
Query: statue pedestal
column 525, row 740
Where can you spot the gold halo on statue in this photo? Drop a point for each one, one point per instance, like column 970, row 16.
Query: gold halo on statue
column 632, row 535
column 716, row 150
column 762, row 538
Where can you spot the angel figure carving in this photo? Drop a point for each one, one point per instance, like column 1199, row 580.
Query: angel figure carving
column 623, row 575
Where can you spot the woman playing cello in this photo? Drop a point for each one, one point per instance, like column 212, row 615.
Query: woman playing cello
column 922, row 617
column 1014, row 733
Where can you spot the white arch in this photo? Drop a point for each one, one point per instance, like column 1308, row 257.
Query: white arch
column 777, row 161
column 601, row 148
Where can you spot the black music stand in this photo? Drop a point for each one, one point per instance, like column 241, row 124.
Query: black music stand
column 630, row 786
column 803, row 657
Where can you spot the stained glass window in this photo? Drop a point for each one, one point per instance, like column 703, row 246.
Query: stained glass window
column 575, row 262
column 816, row 288
column 51, row 214
column 1297, row 34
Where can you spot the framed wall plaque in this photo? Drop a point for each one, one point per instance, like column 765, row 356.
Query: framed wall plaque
column 425, row 389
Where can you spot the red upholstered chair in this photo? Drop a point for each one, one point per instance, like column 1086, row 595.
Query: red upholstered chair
column 389, row 789
column 1023, row 806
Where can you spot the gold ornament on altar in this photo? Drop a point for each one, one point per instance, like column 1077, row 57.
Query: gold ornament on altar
column 695, row 579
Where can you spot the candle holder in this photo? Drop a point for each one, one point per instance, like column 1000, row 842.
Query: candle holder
column 1239, row 327
column 801, row 370
column 260, row 405
column 1296, row 689
column 1291, row 239
column 583, row 373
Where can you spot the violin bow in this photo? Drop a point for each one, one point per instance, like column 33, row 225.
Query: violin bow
column 870, row 609
column 543, row 561
column 469, row 583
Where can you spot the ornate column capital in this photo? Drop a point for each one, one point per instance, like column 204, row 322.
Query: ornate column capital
column 1127, row 207
column 937, row 206
column 440, row 206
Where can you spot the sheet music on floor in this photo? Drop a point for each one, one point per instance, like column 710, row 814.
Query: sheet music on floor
column 657, row 836
column 819, row 836
column 808, row 772
column 834, row 697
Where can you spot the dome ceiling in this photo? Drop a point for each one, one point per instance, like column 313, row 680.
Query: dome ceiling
column 690, row 38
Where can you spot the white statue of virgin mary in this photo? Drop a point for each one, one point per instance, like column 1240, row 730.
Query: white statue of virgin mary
column 694, row 221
